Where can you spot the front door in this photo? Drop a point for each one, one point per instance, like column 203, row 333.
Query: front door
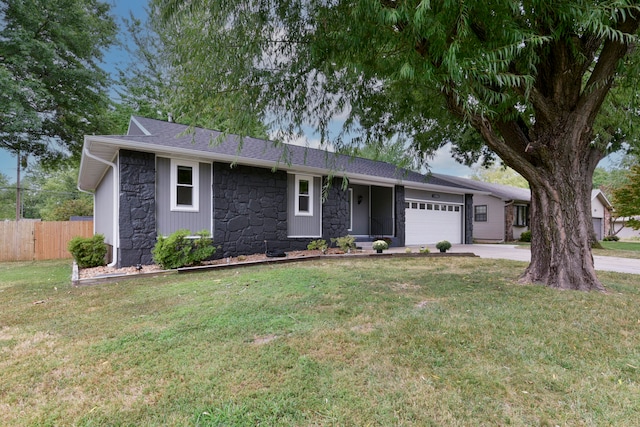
column 360, row 210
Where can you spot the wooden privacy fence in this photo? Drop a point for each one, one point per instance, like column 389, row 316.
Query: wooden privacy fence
column 39, row 240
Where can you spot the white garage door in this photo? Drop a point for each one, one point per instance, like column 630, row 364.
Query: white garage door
column 428, row 222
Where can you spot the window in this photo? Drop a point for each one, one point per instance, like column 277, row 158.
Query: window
column 422, row 206
column 304, row 195
column 436, row 207
column 429, row 207
column 457, row 208
column 521, row 217
column 480, row 213
column 184, row 186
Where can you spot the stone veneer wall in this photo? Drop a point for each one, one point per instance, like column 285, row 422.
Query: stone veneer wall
column 468, row 219
column 137, row 208
column 399, row 238
column 249, row 207
column 335, row 211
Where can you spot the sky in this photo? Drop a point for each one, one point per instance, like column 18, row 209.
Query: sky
column 442, row 163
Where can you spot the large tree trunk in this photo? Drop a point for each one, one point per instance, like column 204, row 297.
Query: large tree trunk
column 553, row 147
column 562, row 230
column 559, row 167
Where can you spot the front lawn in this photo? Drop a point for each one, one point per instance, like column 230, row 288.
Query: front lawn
column 619, row 249
column 616, row 249
column 349, row 342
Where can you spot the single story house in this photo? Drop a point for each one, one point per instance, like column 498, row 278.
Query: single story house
column 254, row 196
column 501, row 212
column 600, row 213
column 623, row 231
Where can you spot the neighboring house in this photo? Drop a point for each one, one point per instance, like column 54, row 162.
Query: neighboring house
column 255, row 196
column 501, row 212
column 622, row 231
column 600, row 213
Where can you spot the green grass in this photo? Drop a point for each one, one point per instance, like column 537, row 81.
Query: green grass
column 619, row 249
column 403, row 342
column 615, row 249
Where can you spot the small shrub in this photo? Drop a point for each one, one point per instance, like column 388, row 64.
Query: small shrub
column 525, row 236
column 611, row 238
column 407, row 250
column 386, row 239
column 88, row 251
column 345, row 242
column 178, row 250
column 380, row 245
column 443, row 245
column 424, row 250
column 319, row 244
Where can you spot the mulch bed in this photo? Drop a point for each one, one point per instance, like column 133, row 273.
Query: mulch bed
column 96, row 275
column 104, row 271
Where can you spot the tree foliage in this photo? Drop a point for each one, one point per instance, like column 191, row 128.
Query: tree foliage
column 608, row 180
column 153, row 85
column 52, row 195
column 524, row 80
column 626, row 199
column 7, row 198
column 498, row 174
column 52, row 89
column 397, row 152
column 144, row 86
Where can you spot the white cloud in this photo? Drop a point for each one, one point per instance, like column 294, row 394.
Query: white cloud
column 301, row 140
column 444, row 163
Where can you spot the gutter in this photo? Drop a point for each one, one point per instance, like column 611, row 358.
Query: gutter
column 167, row 151
column 116, row 234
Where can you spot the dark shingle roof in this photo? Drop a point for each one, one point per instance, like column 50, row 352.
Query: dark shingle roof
column 177, row 136
column 505, row 192
column 171, row 139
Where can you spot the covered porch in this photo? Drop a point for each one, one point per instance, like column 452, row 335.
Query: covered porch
column 372, row 210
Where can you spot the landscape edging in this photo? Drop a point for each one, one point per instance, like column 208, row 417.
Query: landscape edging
column 76, row 281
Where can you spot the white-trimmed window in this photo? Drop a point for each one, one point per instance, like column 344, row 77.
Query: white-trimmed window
column 184, row 186
column 304, row 195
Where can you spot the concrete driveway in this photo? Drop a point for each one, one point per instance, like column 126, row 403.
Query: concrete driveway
column 522, row 253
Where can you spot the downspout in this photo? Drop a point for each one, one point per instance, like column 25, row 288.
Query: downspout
column 116, row 233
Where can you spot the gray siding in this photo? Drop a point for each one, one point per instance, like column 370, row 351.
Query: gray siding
column 493, row 227
column 414, row 194
column 304, row 226
column 104, row 203
column 168, row 221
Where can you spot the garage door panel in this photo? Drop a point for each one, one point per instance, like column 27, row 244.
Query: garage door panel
column 428, row 223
